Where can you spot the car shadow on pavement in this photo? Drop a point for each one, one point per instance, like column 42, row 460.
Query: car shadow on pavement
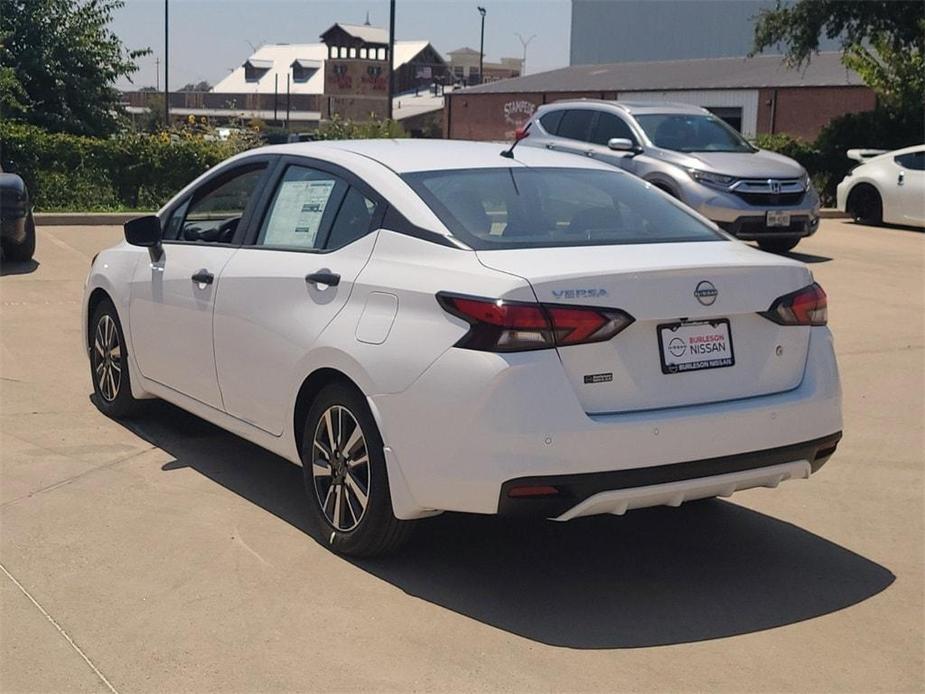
column 11, row 267
column 654, row 577
column 807, row 257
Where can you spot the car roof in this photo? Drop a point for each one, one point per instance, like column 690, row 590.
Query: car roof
column 409, row 155
column 631, row 107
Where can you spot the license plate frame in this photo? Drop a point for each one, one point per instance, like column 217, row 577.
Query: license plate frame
column 673, row 367
column 776, row 218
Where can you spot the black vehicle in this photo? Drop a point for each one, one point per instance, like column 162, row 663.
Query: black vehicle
column 17, row 225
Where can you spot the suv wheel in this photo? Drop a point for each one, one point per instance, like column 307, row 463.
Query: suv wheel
column 343, row 464
column 25, row 249
column 778, row 245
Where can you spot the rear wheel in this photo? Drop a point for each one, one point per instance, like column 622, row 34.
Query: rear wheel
column 865, row 205
column 343, row 463
column 25, row 249
column 778, row 245
column 112, row 388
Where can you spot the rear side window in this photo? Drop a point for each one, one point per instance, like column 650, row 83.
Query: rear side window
column 576, row 124
column 302, row 209
column 609, row 126
column 543, row 207
column 353, row 220
column 550, row 121
column 915, row 161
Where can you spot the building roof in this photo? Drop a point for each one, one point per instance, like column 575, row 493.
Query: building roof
column 824, row 70
column 277, row 59
column 465, row 50
column 364, row 32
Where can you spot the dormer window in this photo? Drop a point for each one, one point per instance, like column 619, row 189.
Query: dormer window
column 303, row 69
column 254, row 69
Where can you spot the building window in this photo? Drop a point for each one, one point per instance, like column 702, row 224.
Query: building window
column 362, row 54
column 380, row 54
column 731, row 114
column 353, row 52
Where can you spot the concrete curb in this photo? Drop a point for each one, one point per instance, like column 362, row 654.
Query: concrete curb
column 832, row 213
column 57, row 219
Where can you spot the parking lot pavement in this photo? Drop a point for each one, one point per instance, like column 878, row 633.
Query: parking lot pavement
column 167, row 555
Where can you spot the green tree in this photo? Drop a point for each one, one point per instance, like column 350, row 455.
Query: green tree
column 882, row 40
column 59, row 62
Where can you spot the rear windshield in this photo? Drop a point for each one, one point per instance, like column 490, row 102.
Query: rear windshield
column 539, row 207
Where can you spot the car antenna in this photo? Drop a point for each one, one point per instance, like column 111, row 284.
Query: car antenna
column 519, row 135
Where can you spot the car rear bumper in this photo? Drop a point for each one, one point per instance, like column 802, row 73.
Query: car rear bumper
column 474, row 421
column 617, row 491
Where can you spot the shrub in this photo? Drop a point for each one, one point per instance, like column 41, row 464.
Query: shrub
column 826, row 159
column 72, row 172
column 337, row 129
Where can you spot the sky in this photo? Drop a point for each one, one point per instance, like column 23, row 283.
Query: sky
column 208, row 38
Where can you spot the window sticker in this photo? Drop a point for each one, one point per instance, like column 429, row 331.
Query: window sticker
column 297, row 212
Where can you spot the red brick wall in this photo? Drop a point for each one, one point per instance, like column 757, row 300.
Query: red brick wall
column 804, row 111
column 801, row 111
column 488, row 116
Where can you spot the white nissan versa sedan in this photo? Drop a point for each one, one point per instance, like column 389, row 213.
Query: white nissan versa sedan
column 432, row 326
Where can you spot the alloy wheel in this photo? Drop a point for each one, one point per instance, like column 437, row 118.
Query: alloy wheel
column 340, row 468
column 107, row 358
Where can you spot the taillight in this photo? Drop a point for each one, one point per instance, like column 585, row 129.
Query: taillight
column 806, row 306
column 513, row 326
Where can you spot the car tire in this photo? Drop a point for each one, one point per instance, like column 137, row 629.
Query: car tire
column 342, row 467
column 24, row 250
column 778, row 245
column 865, row 205
column 112, row 387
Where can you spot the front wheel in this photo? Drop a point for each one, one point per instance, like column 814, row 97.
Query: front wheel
column 343, row 463
column 778, row 245
column 24, row 249
column 112, row 390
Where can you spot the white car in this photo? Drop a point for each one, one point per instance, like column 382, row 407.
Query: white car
column 887, row 188
column 431, row 326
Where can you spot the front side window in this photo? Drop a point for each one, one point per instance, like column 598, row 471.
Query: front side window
column 542, row 207
column 610, row 126
column 213, row 214
column 684, row 132
column 914, row 161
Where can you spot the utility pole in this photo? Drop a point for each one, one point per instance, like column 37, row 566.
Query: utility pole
column 483, row 12
column 523, row 62
column 166, row 65
column 157, row 74
column 389, row 56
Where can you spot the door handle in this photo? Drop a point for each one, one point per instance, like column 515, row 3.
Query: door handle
column 902, row 178
column 329, row 278
column 203, row 277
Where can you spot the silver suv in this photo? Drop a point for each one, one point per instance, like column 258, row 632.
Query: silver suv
column 694, row 156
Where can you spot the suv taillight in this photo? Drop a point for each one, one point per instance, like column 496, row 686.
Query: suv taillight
column 514, row 326
column 806, row 306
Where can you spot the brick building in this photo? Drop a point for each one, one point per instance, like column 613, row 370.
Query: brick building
column 754, row 95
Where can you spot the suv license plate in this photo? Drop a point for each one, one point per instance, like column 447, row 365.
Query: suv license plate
column 778, row 219
column 693, row 346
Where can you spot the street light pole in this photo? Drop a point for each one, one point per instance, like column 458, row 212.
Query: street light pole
column 166, row 66
column 483, row 12
column 523, row 61
column 390, row 57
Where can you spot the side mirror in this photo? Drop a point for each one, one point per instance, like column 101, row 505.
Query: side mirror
column 621, row 144
column 145, row 232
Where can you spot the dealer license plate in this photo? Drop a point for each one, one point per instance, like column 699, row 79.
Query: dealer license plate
column 778, row 219
column 695, row 345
